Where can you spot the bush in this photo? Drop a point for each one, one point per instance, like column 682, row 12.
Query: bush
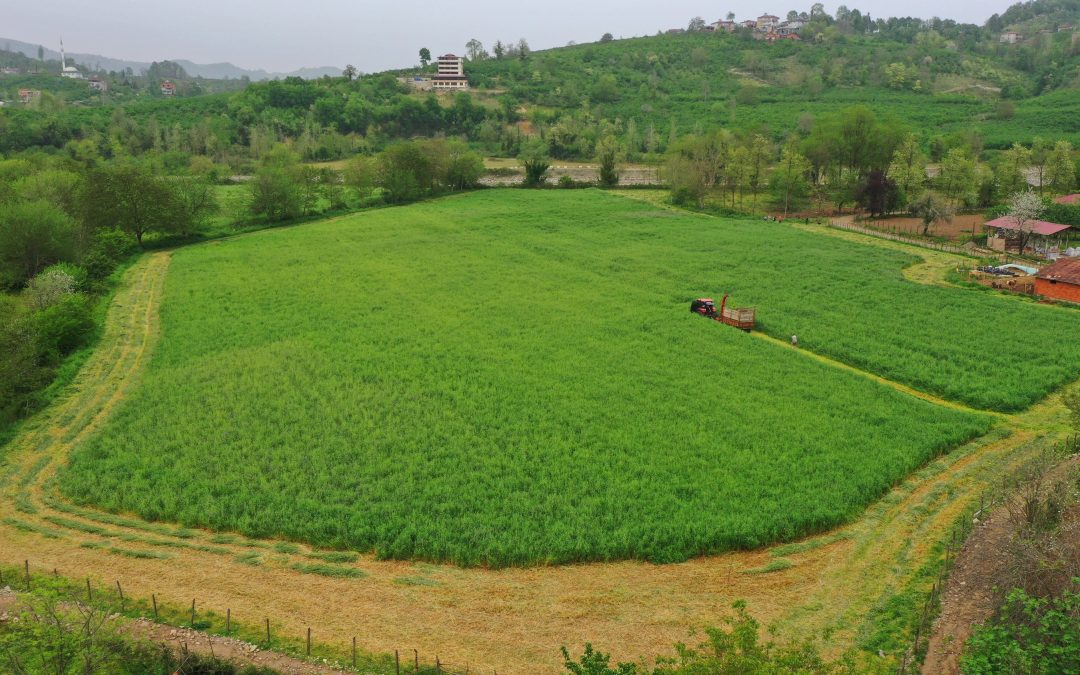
column 1031, row 635
column 49, row 287
column 62, row 327
column 108, row 248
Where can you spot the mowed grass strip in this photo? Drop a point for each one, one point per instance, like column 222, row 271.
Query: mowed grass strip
column 512, row 377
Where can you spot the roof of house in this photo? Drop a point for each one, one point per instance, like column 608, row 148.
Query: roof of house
column 1036, row 226
column 1068, row 199
column 448, row 56
column 1065, row 269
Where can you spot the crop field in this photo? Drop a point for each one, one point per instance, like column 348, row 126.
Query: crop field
column 512, row 377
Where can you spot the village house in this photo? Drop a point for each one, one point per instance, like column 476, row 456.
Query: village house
column 767, row 23
column 98, row 84
column 1042, row 237
column 1010, row 37
column 1060, row 280
column 168, row 88
column 451, row 73
column 28, row 96
column 725, row 26
column 749, row 23
column 9, row 71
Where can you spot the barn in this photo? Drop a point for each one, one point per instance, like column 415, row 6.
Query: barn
column 1060, row 281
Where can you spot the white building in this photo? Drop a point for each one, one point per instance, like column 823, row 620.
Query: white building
column 1010, row 37
column 70, row 72
column 767, row 23
column 451, row 74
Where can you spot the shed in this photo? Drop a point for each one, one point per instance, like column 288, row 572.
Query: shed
column 1003, row 234
column 1069, row 200
column 1060, row 281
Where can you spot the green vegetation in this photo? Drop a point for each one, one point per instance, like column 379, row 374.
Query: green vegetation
column 493, row 331
column 1030, row 635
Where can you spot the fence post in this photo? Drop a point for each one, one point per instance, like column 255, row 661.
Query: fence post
column 228, row 620
column 416, row 661
column 397, row 663
column 438, row 666
column 27, row 563
column 153, row 598
column 309, row 640
column 89, row 593
column 268, row 632
column 193, row 612
column 120, row 592
column 354, row 651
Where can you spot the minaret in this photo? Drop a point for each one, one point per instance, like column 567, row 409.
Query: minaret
column 63, row 61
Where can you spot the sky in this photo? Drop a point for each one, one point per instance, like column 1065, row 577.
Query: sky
column 283, row 35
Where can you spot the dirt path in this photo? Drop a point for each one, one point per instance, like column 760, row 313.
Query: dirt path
column 511, row 620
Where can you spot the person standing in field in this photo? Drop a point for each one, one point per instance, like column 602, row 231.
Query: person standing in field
column 794, row 340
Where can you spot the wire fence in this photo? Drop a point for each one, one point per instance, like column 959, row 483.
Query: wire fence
column 936, row 246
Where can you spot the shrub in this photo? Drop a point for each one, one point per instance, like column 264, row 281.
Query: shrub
column 63, row 327
column 49, row 287
column 107, row 249
column 1030, row 635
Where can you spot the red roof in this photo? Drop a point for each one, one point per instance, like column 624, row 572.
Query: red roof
column 1066, row 269
column 1068, row 199
column 1035, row 226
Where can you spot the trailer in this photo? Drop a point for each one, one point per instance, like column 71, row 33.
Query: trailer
column 742, row 318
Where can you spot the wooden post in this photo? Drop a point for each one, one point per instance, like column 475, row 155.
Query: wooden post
column 228, row 620
column 354, row 651
column 438, row 666
column 55, row 573
column 153, row 598
column 120, row 592
column 89, row 593
column 397, row 663
column 309, row 640
column 193, row 612
column 416, row 661
column 268, row 631
column 27, row 563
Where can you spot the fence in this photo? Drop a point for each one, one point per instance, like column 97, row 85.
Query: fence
column 407, row 662
column 944, row 248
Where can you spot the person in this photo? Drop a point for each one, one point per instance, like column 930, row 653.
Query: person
column 794, row 340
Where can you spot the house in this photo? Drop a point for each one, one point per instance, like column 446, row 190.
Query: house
column 1010, row 37
column 1042, row 236
column 724, row 26
column 675, row 31
column 790, row 27
column 767, row 23
column 1060, row 280
column 98, row 84
column 28, row 96
column 9, row 71
column 451, row 73
column 1071, row 200
column 749, row 23
column 168, row 88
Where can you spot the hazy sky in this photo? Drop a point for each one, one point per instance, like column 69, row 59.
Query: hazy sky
column 282, row 35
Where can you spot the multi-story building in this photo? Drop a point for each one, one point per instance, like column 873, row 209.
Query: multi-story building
column 451, row 73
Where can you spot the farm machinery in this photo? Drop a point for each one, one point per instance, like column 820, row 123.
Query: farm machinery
column 739, row 317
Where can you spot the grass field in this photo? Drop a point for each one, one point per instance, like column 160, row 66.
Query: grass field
column 512, row 377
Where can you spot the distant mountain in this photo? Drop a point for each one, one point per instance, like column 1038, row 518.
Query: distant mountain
column 215, row 71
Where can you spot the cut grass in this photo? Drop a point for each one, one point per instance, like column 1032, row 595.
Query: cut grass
column 328, row 570
column 557, row 403
column 33, row 527
column 778, row 565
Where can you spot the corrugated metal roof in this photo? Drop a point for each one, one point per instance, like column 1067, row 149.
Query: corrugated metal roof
column 1066, row 270
column 1068, row 199
column 1035, row 226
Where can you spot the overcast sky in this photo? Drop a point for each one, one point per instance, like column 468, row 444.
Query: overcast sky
column 282, row 35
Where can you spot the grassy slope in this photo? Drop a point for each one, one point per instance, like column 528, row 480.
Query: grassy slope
column 505, row 377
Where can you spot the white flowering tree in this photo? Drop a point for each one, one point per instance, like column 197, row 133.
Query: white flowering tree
column 1025, row 208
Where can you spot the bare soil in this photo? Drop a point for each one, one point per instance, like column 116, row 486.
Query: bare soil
column 960, row 227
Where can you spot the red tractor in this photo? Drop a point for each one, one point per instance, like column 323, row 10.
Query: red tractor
column 741, row 318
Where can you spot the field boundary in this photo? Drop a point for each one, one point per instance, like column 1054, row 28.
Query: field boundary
column 934, row 246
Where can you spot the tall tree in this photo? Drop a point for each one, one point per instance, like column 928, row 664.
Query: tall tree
column 349, row 72
column 930, row 209
column 958, row 177
column 908, row 168
column 425, row 56
column 475, row 49
column 607, row 156
column 131, row 199
column 1059, row 168
column 1011, row 169
column 760, row 154
column 789, row 179
column 33, row 235
column 1025, row 208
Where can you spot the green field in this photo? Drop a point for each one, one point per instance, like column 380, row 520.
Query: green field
column 512, row 377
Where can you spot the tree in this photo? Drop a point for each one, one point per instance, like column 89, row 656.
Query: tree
column 475, row 49
column 1059, row 168
column 33, row 235
column 958, row 177
column 759, row 154
column 425, row 56
column 405, row 171
column 463, row 167
column 1011, row 167
column 930, row 209
column 1025, row 208
column 878, row 193
column 908, row 168
column 196, row 198
column 534, row 158
column 697, row 24
column 349, row 72
column 522, row 49
column 1040, row 158
column 607, row 37
column 735, row 173
column 275, row 195
column 789, row 179
column 607, row 156
column 499, row 49
column 132, row 199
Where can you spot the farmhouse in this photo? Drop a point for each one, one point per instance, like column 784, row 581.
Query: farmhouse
column 98, row 84
column 767, row 23
column 168, row 88
column 28, row 96
column 726, row 26
column 451, row 74
column 1010, row 37
column 9, row 71
column 1060, row 281
column 1042, row 236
